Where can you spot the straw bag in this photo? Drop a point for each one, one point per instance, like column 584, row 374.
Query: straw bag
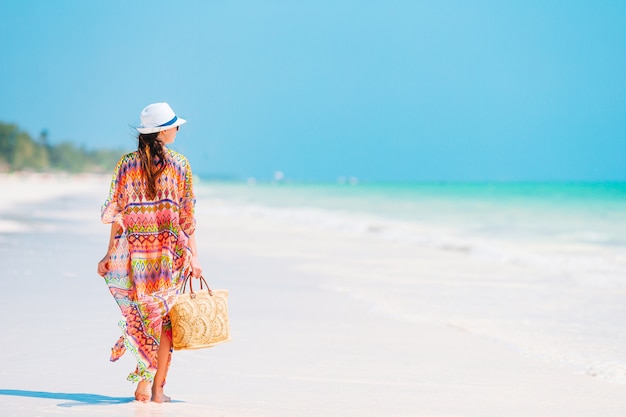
column 200, row 319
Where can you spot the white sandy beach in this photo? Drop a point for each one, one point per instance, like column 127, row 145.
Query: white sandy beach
column 301, row 346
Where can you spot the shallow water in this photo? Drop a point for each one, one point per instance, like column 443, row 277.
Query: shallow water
column 539, row 267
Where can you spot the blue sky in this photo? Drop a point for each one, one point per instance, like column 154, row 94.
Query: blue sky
column 381, row 90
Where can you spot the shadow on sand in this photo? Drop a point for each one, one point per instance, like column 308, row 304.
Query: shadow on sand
column 77, row 399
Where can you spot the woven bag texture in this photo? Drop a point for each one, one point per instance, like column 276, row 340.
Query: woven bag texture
column 200, row 320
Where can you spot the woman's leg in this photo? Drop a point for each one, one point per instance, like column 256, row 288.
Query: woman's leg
column 163, row 357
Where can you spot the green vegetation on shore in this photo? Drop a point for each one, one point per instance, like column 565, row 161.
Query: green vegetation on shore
column 20, row 152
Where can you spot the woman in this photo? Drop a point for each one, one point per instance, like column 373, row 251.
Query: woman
column 151, row 247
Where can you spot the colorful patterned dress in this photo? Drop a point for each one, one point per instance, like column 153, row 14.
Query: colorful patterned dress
column 151, row 254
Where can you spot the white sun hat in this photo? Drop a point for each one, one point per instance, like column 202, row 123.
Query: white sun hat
column 156, row 117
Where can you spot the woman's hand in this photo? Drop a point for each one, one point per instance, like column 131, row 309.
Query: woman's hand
column 196, row 269
column 103, row 265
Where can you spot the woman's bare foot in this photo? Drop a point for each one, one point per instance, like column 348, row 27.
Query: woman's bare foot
column 142, row 393
column 159, row 397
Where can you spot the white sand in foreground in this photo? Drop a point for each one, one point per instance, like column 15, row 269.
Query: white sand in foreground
column 298, row 348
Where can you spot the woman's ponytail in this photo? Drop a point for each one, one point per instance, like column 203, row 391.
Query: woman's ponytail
column 152, row 156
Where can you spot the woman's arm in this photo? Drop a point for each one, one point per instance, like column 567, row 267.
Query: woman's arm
column 103, row 265
column 196, row 269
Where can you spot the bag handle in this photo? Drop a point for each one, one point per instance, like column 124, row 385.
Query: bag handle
column 189, row 279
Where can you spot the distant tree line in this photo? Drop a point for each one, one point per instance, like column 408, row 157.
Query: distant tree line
column 20, row 152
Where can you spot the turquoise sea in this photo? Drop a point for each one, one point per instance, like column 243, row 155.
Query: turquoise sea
column 593, row 213
column 553, row 256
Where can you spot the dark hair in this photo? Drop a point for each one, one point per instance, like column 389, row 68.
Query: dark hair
column 152, row 155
